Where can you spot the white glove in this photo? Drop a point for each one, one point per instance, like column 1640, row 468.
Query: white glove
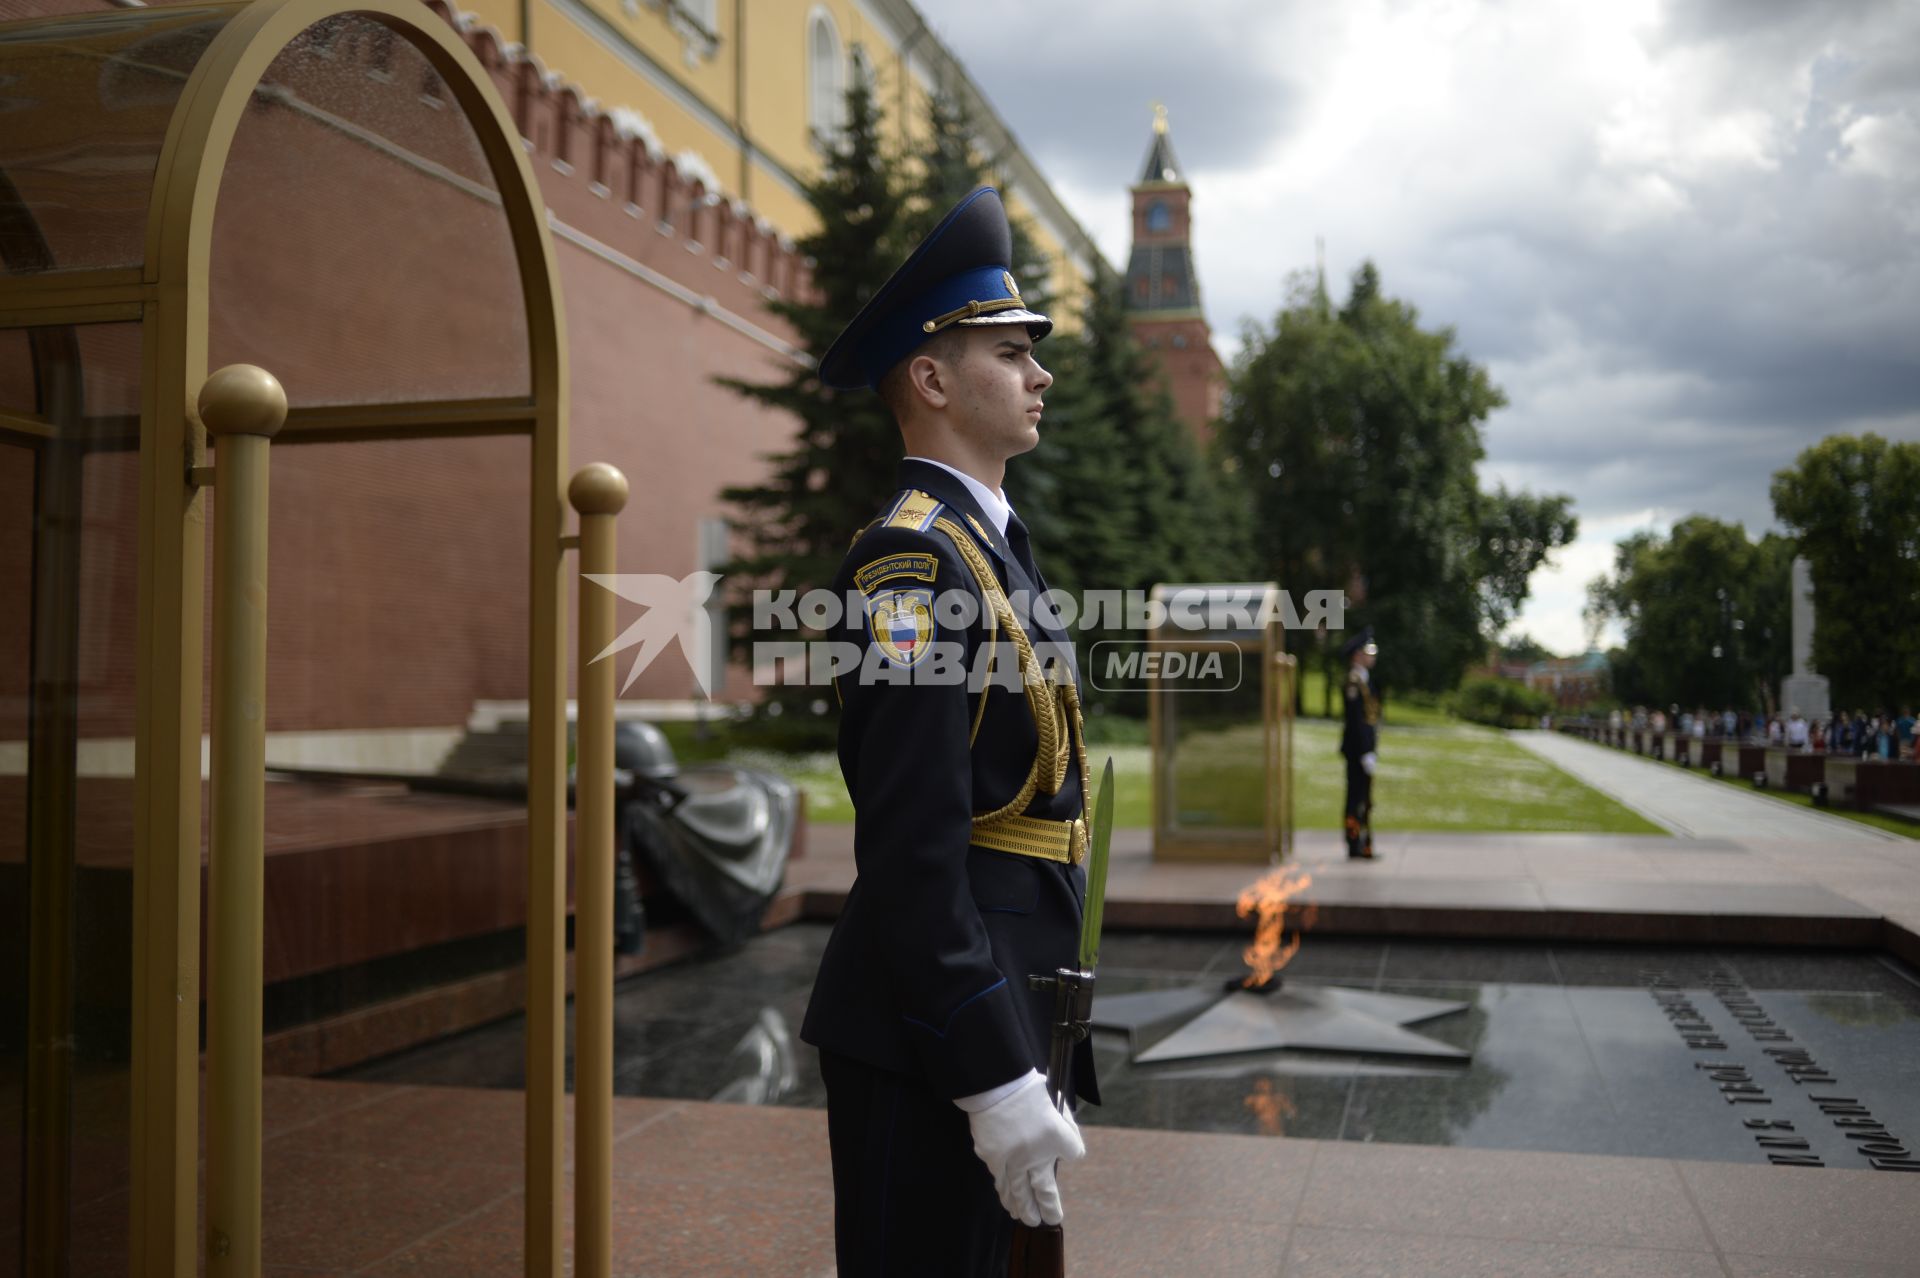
column 1368, row 762
column 1020, row 1134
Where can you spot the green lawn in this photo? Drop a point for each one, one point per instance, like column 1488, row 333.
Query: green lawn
column 1450, row 776
column 1410, row 710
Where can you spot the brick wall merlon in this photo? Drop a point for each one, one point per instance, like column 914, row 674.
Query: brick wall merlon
column 615, row 153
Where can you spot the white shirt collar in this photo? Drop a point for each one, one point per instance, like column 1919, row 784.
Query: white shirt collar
column 992, row 501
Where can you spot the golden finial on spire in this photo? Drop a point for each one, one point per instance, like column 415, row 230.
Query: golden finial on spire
column 1159, row 117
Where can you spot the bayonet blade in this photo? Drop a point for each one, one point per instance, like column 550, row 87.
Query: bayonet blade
column 1099, row 840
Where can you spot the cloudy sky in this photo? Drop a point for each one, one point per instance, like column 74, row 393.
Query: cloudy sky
column 1683, row 235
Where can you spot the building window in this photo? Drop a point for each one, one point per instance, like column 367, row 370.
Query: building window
column 826, row 93
column 1158, row 219
column 696, row 22
column 1180, row 341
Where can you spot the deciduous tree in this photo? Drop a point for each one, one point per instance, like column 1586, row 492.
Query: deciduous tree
column 1854, row 503
column 1357, row 431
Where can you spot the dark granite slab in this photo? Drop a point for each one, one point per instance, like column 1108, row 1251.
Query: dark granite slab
column 1569, row 1050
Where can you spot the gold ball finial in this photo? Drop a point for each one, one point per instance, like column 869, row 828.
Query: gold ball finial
column 598, row 489
column 1159, row 117
column 243, row 399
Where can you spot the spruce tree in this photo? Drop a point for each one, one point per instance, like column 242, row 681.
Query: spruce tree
column 795, row 525
column 1122, row 496
column 1118, row 494
column 948, row 167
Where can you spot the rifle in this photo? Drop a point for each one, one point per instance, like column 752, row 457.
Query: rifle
column 1040, row 1251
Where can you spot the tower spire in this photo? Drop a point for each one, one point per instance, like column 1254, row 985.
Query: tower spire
column 1160, row 166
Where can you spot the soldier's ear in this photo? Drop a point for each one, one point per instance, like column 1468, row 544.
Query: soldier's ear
column 927, row 379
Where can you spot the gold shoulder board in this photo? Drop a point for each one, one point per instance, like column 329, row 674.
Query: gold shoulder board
column 915, row 510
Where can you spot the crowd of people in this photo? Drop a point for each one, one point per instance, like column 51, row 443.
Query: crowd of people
column 1885, row 735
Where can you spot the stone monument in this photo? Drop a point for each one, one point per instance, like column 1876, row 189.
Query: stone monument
column 1804, row 692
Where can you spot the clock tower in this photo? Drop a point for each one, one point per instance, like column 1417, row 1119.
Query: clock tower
column 1163, row 293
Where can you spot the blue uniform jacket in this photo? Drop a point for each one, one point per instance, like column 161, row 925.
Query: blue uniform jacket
column 926, row 971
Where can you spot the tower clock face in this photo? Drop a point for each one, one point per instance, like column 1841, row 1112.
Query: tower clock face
column 1158, row 219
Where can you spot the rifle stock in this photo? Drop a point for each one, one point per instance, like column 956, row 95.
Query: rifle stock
column 1038, row 1252
column 1041, row 1251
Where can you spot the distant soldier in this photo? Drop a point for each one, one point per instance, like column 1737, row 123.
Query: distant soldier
column 1360, row 742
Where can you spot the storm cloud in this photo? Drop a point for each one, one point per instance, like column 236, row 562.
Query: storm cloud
column 1684, row 236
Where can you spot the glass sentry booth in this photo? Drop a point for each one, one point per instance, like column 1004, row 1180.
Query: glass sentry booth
column 290, row 247
column 1220, row 716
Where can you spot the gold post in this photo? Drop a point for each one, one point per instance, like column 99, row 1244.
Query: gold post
column 53, row 731
column 598, row 492
column 546, row 854
column 242, row 406
column 1289, row 676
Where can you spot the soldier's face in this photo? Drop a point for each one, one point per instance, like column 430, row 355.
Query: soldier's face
column 998, row 389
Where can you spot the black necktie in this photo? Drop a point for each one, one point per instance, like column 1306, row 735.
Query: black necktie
column 1022, row 546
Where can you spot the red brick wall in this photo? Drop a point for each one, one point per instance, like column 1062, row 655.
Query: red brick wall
column 397, row 570
column 1193, row 373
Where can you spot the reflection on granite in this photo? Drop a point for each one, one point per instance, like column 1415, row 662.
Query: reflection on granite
column 1570, row 1053
column 1205, row 1023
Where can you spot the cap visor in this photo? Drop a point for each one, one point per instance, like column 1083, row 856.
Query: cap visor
column 1038, row 325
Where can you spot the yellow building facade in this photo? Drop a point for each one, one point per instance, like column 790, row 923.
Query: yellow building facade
column 734, row 91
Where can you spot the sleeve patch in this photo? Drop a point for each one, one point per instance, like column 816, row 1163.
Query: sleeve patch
column 901, row 623
column 916, row 567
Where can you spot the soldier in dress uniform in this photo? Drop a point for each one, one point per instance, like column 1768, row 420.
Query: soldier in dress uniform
column 1360, row 742
column 968, row 792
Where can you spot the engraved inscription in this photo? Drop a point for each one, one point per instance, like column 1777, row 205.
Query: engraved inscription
column 1865, row 1134
column 1776, row 1137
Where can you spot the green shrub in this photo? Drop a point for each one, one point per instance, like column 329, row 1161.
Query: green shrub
column 1501, row 703
column 1115, row 729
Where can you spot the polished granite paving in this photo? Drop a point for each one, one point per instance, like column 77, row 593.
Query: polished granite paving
column 371, row 1180
column 1574, row 1048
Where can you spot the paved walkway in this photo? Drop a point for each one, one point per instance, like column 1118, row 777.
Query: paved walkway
column 1691, row 805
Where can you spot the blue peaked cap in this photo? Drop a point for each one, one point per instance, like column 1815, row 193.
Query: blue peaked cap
column 962, row 274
